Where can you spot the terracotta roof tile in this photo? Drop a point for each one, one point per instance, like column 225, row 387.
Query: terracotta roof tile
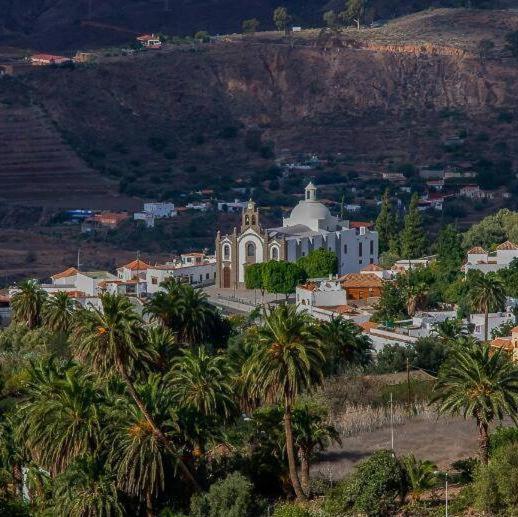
column 71, row 271
column 339, row 309
column 502, row 342
column 136, row 265
column 507, row 245
column 360, row 280
column 367, row 326
column 477, row 250
column 372, row 267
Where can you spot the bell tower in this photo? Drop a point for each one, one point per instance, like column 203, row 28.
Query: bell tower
column 311, row 192
column 250, row 217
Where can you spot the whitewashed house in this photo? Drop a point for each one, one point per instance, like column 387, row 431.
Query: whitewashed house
column 231, row 207
column 495, row 320
column 479, row 259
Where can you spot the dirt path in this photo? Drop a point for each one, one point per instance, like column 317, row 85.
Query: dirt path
column 441, row 440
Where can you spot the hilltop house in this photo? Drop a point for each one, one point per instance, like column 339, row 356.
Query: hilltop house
column 150, row 41
column 362, row 286
column 103, row 220
column 48, row 59
column 478, row 258
column 310, row 226
column 132, row 271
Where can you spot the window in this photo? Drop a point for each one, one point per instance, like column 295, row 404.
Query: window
column 253, row 220
column 154, row 280
column 372, row 247
column 247, row 220
column 250, row 249
column 308, row 195
column 207, row 276
column 372, row 261
column 345, row 249
column 275, row 253
column 226, row 252
column 360, row 249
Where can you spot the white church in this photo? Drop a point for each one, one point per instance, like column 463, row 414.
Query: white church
column 310, row 226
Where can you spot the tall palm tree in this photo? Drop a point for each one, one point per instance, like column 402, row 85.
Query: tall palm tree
column 61, row 417
column 27, row 303
column 450, row 330
column 140, row 458
column 311, row 433
column 289, row 361
column 111, row 339
column 163, row 344
column 201, row 383
column 487, row 293
column 479, row 383
column 86, row 489
column 416, row 296
column 58, row 312
column 344, row 344
column 420, row 474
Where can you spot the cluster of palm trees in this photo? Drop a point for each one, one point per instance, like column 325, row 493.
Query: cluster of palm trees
column 129, row 413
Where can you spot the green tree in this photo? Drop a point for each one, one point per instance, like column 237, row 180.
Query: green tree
column 288, row 362
column 479, row 383
column 87, row 487
column 420, row 474
column 344, row 344
column 110, row 340
column 254, row 276
column 386, row 223
column 413, row 238
column 450, row 254
column 391, row 305
column 312, row 433
column 511, row 40
column 27, row 303
column 354, row 12
column 281, row 18
column 331, row 20
column 319, row 263
column 250, row 26
column 282, row 277
column 486, row 294
column 58, row 312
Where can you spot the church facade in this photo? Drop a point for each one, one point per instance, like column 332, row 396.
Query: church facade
column 310, row 226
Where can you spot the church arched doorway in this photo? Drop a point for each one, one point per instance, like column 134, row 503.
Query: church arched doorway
column 226, row 277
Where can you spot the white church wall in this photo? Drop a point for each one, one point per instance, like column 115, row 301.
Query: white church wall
column 259, row 252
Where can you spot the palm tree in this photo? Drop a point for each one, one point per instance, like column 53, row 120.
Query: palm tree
column 449, row 330
column 27, row 303
column 58, row 312
column 416, row 295
column 112, row 339
column 344, row 343
column 487, row 293
column 420, row 474
column 479, row 383
column 140, row 458
column 289, row 361
column 61, row 417
column 163, row 344
column 86, row 489
column 311, row 433
column 201, row 383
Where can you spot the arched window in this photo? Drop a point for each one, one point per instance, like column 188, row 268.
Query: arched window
column 250, row 249
column 226, row 252
column 275, row 253
column 253, row 220
column 247, row 220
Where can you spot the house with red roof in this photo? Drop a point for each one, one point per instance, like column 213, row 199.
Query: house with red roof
column 135, row 269
column 48, row 59
column 480, row 259
column 508, row 344
column 150, row 41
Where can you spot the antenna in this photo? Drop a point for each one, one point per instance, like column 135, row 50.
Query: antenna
column 78, row 259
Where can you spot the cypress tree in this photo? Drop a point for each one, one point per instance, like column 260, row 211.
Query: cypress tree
column 413, row 239
column 386, row 223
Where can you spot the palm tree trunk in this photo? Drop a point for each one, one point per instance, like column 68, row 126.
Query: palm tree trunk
column 149, row 505
column 18, row 480
column 304, row 472
column 486, row 322
column 156, row 430
column 483, row 441
column 291, row 454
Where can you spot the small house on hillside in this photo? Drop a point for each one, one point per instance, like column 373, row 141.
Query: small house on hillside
column 48, row 59
column 150, row 41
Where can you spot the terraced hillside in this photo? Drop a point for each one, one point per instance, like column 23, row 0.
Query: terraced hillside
column 37, row 168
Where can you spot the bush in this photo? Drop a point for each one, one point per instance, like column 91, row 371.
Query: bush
column 495, row 484
column 392, row 358
column 501, row 437
column 430, row 353
column 230, row 497
column 291, row 510
column 466, row 469
column 373, row 489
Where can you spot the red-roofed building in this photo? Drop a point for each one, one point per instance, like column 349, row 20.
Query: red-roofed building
column 508, row 344
column 106, row 220
column 48, row 59
column 150, row 41
column 133, row 270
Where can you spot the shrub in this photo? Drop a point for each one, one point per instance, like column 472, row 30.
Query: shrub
column 291, row 510
column 393, row 357
column 373, row 489
column 495, row 484
column 230, row 497
column 466, row 469
column 501, row 437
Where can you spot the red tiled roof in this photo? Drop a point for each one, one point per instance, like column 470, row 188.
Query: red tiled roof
column 308, row 286
column 367, row 326
column 136, row 265
column 502, row 342
column 358, row 280
column 339, row 309
column 477, row 250
column 372, row 267
column 49, row 57
column 507, row 245
column 71, row 271
column 360, row 224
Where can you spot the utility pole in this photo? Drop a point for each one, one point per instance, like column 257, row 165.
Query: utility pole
column 78, row 259
column 391, row 423
column 408, row 384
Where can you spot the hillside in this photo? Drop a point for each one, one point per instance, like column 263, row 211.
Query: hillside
column 393, row 94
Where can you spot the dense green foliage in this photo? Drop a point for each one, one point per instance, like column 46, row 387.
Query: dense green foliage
column 319, row 263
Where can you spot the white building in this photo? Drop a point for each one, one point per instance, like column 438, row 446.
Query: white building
column 404, row 265
column 479, row 259
column 494, row 321
column 133, row 270
column 201, row 207
column 309, row 227
column 231, row 207
column 194, row 268
column 159, row 210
